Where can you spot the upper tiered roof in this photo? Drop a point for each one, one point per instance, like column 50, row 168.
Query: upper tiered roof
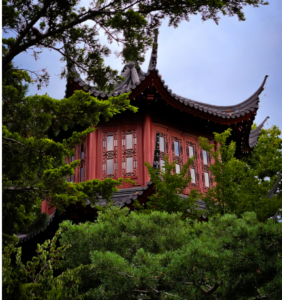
column 136, row 81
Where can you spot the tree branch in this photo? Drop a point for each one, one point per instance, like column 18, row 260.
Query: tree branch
column 12, row 53
column 64, row 54
column 12, row 140
column 212, row 289
column 16, row 189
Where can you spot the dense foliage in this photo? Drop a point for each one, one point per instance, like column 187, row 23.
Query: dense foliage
column 158, row 256
column 34, row 167
column 169, row 189
column 48, row 24
column 243, row 184
column 154, row 253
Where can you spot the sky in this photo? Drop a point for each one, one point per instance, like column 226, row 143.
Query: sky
column 217, row 64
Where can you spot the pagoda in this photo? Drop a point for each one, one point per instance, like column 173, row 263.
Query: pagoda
column 165, row 124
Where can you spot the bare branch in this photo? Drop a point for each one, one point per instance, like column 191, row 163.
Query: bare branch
column 44, row 267
column 23, row 189
column 12, row 140
column 212, row 289
column 64, row 54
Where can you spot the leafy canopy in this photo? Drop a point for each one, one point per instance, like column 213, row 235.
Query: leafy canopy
column 157, row 256
column 73, row 30
column 241, row 185
column 34, row 167
column 169, row 189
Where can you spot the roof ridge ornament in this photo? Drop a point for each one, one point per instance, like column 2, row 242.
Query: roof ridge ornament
column 154, row 54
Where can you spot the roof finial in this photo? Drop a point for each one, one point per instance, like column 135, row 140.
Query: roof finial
column 154, row 54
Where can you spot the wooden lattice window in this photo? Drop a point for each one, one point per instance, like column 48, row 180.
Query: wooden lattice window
column 191, row 150
column 129, row 153
column 206, row 173
column 177, row 153
column 163, row 147
column 110, row 160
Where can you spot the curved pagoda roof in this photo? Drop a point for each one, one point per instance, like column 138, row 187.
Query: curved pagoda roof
column 136, row 81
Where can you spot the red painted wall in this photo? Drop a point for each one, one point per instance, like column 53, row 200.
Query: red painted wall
column 146, row 131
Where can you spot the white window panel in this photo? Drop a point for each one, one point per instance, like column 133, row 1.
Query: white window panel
column 129, row 141
column 129, row 164
column 191, row 151
column 176, row 148
column 193, row 176
column 110, row 143
column 207, row 179
column 205, row 157
column 177, row 168
column 162, row 145
column 110, row 166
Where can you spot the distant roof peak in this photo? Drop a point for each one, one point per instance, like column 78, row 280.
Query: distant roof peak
column 154, row 54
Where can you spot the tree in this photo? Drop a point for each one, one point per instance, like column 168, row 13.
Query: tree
column 158, row 256
column 34, row 167
column 169, row 186
column 266, row 157
column 51, row 24
column 241, row 185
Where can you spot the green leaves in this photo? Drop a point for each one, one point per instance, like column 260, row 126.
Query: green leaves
column 160, row 255
column 169, row 185
column 37, row 136
column 240, row 186
column 127, row 22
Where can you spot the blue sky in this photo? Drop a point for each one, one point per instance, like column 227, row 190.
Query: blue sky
column 218, row 64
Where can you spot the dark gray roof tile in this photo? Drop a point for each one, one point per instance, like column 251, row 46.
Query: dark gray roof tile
column 254, row 134
column 275, row 187
column 27, row 236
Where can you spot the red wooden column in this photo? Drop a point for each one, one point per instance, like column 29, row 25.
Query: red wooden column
column 44, row 207
column 92, row 155
column 147, row 144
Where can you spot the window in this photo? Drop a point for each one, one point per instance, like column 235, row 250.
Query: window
column 129, row 141
column 110, row 143
column 193, row 176
column 176, row 148
column 81, row 152
column 162, row 163
column 191, row 151
column 205, row 157
column 177, row 168
column 162, row 144
column 110, row 166
column 207, row 181
column 129, row 164
column 129, row 153
column 110, row 155
column 81, row 174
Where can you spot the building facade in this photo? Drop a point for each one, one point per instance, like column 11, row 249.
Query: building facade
column 165, row 124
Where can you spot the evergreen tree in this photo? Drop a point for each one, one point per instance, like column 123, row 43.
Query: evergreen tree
column 157, row 256
column 34, row 167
